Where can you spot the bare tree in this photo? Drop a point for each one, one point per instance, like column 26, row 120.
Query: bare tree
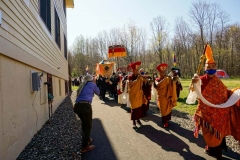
column 182, row 43
column 102, row 43
column 198, row 13
column 159, row 29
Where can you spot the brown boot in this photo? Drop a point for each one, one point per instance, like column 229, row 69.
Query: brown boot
column 88, row 148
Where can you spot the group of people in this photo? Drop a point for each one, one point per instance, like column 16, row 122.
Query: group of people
column 76, row 81
column 108, row 84
column 136, row 89
column 141, row 86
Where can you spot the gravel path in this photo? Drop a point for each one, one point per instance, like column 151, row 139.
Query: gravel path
column 60, row 139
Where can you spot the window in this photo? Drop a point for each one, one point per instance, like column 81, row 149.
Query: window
column 45, row 12
column 60, row 89
column 65, row 47
column 64, row 7
column 57, row 30
column 66, row 87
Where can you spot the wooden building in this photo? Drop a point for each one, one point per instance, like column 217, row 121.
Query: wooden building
column 33, row 64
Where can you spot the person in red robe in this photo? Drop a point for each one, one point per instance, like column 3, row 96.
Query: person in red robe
column 215, row 123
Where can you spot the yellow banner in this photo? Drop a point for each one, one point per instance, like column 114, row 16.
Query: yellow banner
column 117, row 54
column 105, row 70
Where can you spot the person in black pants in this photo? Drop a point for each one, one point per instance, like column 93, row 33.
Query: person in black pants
column 83, row 109
column 113, row 86
column 103, row 87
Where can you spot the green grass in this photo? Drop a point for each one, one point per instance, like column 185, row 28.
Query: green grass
column 190, row 109
column 74, row 88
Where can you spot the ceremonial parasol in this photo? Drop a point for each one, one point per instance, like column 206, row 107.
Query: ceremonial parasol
column 116, row 51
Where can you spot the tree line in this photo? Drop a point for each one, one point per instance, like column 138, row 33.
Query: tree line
column 207, row 23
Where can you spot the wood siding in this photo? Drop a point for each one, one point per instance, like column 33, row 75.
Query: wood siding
column 24, row 29
column 27, row 45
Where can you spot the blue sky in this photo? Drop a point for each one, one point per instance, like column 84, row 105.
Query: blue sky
column 90, row 17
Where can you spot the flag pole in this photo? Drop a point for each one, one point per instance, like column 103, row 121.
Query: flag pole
column 118, row 62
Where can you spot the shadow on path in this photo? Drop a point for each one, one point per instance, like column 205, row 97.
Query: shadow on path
column 170, row 141
column 103, row 149
column 114, row 103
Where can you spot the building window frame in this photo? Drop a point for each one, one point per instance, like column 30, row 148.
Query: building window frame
column 65, row 48
column 45, row 13
column 66, row 87
column 57, row 30
column 60, row 87
column 64, row 7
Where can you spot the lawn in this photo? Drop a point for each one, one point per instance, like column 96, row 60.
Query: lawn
column 190, row 109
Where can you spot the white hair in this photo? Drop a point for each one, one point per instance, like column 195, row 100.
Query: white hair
column 88, row 78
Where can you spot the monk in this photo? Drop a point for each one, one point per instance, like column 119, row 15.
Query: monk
column 166, row 91
column 146, row 89
column 136, row 95
column 215, row 123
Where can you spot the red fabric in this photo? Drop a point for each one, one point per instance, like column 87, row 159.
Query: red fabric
column 161, row 65
column 147, row 90
column 117, row 48
column 133, row 65
column 119, row 92
column 205, row 79
column 215, row 92
column 137, row 113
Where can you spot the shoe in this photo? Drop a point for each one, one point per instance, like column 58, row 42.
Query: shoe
column 88, row 148
column 90, row 141
column 165, row 125
column 134, row 126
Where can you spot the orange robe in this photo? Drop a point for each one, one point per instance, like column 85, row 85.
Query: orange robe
column 167, row 96
column 216, row 123
column 136, row 95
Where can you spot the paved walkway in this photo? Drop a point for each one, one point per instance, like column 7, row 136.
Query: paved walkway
column 114, row 137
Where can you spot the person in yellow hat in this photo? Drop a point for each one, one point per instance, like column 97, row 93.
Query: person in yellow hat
column 215, row 123
column 166, row 90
